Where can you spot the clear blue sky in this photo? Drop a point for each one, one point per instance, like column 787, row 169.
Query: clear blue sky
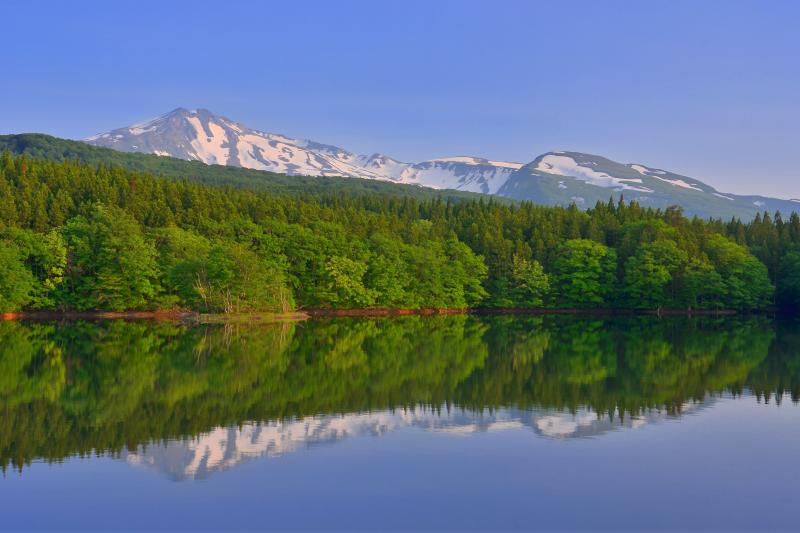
column 707, row 88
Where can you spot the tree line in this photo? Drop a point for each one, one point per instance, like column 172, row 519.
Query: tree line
column 77, row 236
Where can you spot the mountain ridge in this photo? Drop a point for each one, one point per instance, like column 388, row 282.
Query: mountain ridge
column 552, row 178
column 47, row 147
column 214, row 139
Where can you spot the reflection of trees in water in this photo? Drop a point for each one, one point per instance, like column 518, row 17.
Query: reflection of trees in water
column 622, row 365
column 81, row 387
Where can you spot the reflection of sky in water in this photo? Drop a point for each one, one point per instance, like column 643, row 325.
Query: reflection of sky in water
column 730, row 464
column 725, row 462
column 223, row 448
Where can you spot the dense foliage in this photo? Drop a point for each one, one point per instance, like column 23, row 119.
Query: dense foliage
column 95, row 387
column 85, row 237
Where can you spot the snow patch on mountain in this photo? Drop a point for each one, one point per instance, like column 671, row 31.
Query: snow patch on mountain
column 146, row 126
column 651, row 173
column 555, row 178
column 506, row 164
column 200, row 135
column 645, row 171
column 563, row 165
column 679, row 183
column 207, row 145
column 458, row 159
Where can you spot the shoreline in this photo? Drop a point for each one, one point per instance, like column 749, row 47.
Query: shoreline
column 173, row 316
column 203, row 318
column 518, row 311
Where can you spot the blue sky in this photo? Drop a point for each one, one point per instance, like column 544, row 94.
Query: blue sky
column 706, row 88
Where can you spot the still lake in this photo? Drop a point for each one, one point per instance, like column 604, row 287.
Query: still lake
column 459, row 422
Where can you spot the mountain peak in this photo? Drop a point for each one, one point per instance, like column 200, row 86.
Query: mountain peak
column 559, row 177
column 201, row 135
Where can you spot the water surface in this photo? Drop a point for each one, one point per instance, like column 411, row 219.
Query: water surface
column 454, row 422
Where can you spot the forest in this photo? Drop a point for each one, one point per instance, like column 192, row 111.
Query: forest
column 94, row 236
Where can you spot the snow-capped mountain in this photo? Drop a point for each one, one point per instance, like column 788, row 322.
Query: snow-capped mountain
column 554, row 178
column 226, row 447
column 584, row 179
column 203, row 136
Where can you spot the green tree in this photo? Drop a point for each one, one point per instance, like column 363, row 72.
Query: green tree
column 584, row 274
column 46, row 257
column 110, row 264
column 747, row 284
column 343, row 284
column 16, row 281
column 530, row 285
column 181, row 255
column 389, row 272
column 703, row 287
column 234, row 279
column 788, row 280
column 464, row 275
column 651, row 273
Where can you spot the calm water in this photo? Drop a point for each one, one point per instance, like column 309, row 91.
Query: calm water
column 402, row 423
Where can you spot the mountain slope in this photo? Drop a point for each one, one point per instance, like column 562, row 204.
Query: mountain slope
column 203, row 136
column 554, row 178
column 567, row 177
column 52, row 148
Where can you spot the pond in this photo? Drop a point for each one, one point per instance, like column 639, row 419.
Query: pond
column 418, row 422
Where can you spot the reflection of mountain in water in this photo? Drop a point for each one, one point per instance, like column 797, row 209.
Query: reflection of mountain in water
column 223, row 448
column 85, row 388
